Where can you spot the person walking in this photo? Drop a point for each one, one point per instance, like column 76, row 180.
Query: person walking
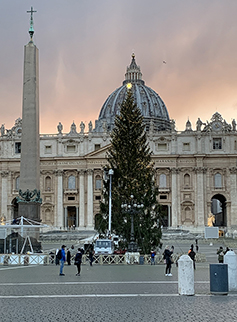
column 68, row 257
column 77, row 262
column 220, row 254
column 167, row 257
column 62, row 259
column 153, row 254
column 192, row 254
column 91, row 256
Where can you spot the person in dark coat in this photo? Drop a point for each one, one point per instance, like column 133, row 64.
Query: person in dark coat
column 68, row 257
column 192, row 254
column 78, row 259
column 220, row 253
column 91, row 253
column 167, row 257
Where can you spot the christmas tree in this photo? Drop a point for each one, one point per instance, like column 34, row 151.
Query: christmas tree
column 130, row 157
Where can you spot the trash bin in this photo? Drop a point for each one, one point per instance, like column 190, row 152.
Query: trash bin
column 141, row 260
column 219, row 279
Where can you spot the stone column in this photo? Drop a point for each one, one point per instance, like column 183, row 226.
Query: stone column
column 233, row 199
column 59, row 211
column 90, row 199
column 199, row 220
column 169, row 216
column 65, row 218
column 4, row 193
column 77, row 216
column 174, row 197
column 82, row 200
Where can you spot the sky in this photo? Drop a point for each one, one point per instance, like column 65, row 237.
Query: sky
column 86, row 45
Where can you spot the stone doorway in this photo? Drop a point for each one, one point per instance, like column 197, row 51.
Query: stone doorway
column 218, row 208
column 165, row 216
column 14, row 208
column 71, row 217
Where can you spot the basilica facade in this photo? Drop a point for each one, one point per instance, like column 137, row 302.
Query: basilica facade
column 195, row 169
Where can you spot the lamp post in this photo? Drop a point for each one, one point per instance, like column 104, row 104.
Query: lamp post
column 111, row 172
column 132, row 208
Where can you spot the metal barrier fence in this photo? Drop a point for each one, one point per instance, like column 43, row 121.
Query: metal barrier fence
column 24, row 259
column 127, row 259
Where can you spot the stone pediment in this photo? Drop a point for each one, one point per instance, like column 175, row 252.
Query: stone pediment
column 162, row 139
column 100, row 153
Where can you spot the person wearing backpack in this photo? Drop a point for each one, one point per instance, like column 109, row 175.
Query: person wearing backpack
column 62, row 259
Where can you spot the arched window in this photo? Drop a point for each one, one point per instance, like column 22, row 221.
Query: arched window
column 17, row 183
column 218, row 180
column 187, row 180
column 72, row 183
column 48, row 183
column 162, row 181
column 98, row 183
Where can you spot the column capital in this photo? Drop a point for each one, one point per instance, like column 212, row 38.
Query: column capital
column 200, row 170
column 175, row 170
column 233, row 170
column 81, row 172
column 89, row 171
column 59, row 173
column 4, row 174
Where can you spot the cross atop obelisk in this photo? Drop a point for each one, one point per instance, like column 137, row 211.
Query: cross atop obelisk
column 31, row 30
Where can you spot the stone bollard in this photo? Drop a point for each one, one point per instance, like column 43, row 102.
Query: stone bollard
column 230, row 258
column 185, row 275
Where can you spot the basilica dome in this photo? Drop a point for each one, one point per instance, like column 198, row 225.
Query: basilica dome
column 151, row 105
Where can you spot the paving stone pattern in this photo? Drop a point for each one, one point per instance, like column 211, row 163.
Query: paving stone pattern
column 108, row 293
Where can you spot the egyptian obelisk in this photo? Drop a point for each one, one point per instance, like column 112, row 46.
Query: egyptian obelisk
column 29, row 186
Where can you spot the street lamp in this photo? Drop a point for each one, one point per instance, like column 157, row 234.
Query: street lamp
column 132, row 208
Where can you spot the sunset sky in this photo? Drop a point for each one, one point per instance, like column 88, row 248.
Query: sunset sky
column 86, row 45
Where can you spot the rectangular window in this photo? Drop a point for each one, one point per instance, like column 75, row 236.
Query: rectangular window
column 48, row 149
column 71, row 148
column 162, row 146
column 186, row 146
column 71, row 198
column 97, row 147
column 97, row 197
column 18, row 147
column 217, row 144
column 163, row 196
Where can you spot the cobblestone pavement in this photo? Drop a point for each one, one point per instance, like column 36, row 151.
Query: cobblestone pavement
column 108, row 293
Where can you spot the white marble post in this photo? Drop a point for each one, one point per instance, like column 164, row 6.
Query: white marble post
column 4, row 193
column 185, row 275
column 59, row 212
column 90, row 199
column 230, row 258
column 82, row 200
column 174, row 198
